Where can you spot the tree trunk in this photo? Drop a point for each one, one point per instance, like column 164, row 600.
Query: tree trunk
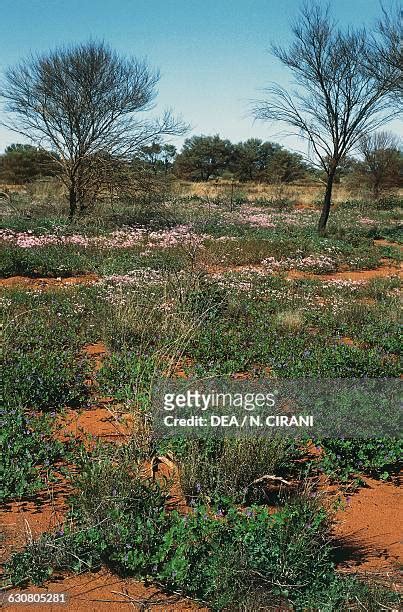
column 326, row 202
column 73, row 200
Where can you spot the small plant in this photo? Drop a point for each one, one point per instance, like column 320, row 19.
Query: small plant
column 346, row 459
column 29, row 453
column 232, row 469
column 44, row 379
column 128, row 377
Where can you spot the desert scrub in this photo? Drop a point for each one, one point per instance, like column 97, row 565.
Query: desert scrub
column 29, row 452
column 226, row 558
column 152, row 311
column 348, row 460
column 44, row 380
column 228, row 468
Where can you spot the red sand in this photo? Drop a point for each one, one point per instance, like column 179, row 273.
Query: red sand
column 103, row 591
column 27, row 282
column 369, row 529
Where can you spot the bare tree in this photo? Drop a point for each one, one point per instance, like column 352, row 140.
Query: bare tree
column 337, row 99
column 82, row 102
column 389, row 40
column 381, row 165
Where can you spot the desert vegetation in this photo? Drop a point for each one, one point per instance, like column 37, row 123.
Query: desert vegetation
column 127, row 261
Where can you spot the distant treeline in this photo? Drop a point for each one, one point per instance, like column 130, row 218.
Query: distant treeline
column 204, row 158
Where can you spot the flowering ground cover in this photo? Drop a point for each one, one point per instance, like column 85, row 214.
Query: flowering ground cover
column 198, row 292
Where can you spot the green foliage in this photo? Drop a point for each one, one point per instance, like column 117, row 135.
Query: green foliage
column 127, row 377
column 28, row 452
column 44, row 379
column 224, row 556
column 202, row 157
column 205, row 157
column 22, row 163
column 64, row 261
column 50, row 261
column 376, row 457
column 389, row 202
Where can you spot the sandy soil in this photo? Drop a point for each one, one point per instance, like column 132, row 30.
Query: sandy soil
column 22, row 521
column 369, row 530
column 105, row 592
column 27, row 282
column 387, row 243
column 383, row 271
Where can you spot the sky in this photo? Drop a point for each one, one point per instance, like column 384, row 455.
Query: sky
column 213, row 54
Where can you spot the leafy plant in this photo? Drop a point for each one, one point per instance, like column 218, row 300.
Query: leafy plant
column 44, row 379
column 377, row 457
column 29, row 452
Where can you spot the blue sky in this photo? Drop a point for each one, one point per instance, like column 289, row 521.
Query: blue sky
column 212, row 54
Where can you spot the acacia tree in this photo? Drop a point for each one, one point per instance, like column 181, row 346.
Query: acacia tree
column 203, row 157
column 82, row 102
column 382, row 163
column 251, row 158
column 337, row 98
column 22, row 163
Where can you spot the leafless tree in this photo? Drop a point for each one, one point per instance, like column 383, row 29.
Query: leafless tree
column 381, row 165
column 388, row 36
column 81, row 102
column 336, row 99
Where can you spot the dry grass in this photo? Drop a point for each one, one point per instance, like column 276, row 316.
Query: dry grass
column 302, row 193
column 291, row 320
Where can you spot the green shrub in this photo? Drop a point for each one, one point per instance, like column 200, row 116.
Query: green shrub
column 229, row 559
column 44, row 379
column 377, row 457
column 28, row 452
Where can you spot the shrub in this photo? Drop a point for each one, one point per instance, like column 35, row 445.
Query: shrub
column 377, row 457
column 29, row 452
column 44, row 379
column 227, row 468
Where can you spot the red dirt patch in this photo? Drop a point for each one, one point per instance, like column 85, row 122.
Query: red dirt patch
column 385, row 270
column 387, row 243
column 97, row 422
column 370, row 529
column 103, row 591
column 353, row 275
column 182, row 366
column 347, row 341
column 109, row 423
column 23, row 520
column 97, row 352
column 46, row 283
